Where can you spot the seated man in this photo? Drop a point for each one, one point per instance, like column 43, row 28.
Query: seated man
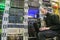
column 52, row 25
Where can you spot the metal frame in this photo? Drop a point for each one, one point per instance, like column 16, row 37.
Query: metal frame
column 5, row 20
column 25, row 20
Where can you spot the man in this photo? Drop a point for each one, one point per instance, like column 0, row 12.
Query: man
column 52, row 25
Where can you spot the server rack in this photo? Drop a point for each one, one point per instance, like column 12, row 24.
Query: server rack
column 6, row 22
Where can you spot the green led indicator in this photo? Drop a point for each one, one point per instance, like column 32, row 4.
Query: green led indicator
column 2, row 6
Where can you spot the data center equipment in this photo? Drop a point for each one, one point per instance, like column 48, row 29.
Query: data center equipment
column 15, row 37
column 17, row 3
column 16, row 15
column 16, row 11
column 46, row 3
column 34, row 3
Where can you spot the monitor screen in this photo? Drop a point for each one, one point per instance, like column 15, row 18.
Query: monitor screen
column 33, row 11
